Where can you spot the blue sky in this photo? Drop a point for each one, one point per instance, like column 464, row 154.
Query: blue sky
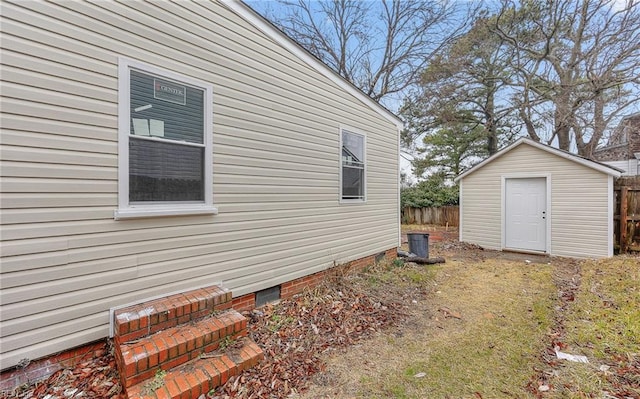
column 275, row 8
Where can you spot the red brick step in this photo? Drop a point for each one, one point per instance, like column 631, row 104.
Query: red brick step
column 164, row 346
column 199, row 376
column 137, row 321
column 141, row 359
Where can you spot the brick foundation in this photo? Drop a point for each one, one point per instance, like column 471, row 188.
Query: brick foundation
column 42, row 368
column 245, row 302
column 293, row 287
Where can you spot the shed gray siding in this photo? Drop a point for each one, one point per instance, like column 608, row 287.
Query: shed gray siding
column 580, row 214
column 276, row 155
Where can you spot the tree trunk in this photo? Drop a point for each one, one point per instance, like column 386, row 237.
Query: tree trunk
column 599, row 125
column 490, row 122
column 562, row 122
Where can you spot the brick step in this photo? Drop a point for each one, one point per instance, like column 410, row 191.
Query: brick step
column 141, row 359
column 144, row 319
column 199, row 376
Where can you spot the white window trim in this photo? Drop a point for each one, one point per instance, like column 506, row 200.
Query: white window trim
column 364, row 183
column 129, row 211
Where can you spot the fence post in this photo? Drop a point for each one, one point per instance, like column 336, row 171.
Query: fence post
column 623, row 218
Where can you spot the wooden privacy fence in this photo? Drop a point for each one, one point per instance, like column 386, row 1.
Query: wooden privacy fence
column 626, row 218
column 441, row 216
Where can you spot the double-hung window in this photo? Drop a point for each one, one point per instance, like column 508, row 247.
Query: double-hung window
column 165, row 143
column 352, row 185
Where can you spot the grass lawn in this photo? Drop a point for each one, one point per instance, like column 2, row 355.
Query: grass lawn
column 485, row 323
column 603, row 323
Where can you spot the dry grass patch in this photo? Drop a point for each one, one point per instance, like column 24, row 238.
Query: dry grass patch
column 606, row 315
column 603, row 323
column 476, row 332
column 482, row 325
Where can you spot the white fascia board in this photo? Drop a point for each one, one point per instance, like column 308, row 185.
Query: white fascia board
column 461, row 212
column 490, row 159
column 610, row 213
column 609, row 170
column 275, row 34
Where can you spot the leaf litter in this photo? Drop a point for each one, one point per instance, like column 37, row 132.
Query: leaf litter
column 294, row 335
column 297, row 334
column 94, row 378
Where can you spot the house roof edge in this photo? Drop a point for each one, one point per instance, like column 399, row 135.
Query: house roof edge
column 295, row 48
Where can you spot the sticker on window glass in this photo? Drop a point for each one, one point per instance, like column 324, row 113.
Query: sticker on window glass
column 169, row 91
column 156, row 128
column 140, row 127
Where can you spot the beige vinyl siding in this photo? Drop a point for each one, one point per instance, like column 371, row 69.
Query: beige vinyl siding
column 578, row 210
column 481, row 210
column 276, row 159
column 630, row 167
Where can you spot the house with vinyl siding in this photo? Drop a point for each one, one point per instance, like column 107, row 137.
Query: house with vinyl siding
column 154, row 147
column 623, row 147
column 530, row 197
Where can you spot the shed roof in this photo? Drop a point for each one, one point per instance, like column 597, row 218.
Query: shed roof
column 295, row 48
column 600, row 167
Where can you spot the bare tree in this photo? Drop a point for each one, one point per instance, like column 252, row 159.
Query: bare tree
column 463, row 86
column 576, row 66
column 380, row 47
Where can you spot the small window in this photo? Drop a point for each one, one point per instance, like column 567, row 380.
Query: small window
column 352, row 185
column 165, row 143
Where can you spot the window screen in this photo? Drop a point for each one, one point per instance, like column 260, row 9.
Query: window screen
column 166, row 143
column 353, row 166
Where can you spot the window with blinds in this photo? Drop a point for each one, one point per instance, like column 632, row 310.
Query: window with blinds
column 165, row 143
column 352, row 167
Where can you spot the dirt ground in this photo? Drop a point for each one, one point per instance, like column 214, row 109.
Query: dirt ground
column 488, row 325
column 460, row 301
column 484, row 324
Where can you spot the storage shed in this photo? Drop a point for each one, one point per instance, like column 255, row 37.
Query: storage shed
column 531, row 197
column 156, row 147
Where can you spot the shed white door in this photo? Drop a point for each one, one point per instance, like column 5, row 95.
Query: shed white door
column 525, row 214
